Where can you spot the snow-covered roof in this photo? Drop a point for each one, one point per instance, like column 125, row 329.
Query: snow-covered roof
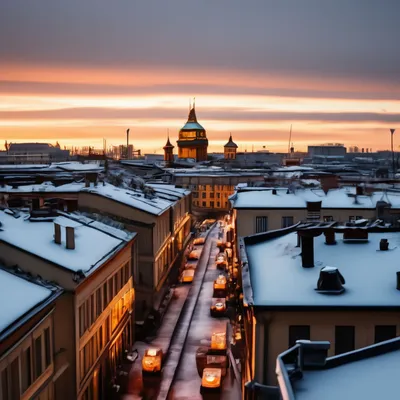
column 370, row 378
column 70, row 166
column 18, row 296
column 278, row 279
column 133, row 198
column 157, row 205
column 263, row 198
column 92, row 246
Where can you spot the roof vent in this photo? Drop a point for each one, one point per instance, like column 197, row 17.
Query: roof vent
column 330, row 281
column 384, row 245
column 398, row 280
column 274, row 191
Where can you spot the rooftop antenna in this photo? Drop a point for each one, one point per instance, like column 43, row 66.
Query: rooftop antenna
column 290, row 138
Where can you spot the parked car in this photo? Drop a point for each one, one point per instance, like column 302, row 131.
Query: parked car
column 191, row 264
column 187, row 276
column 220, row 286
column 199, row 241
column 211, row 379
column 194, row 254
column 218, row 341
column 218, row 307
column 221, row 261
column 152, row 361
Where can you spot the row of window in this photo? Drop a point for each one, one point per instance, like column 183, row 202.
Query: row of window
column 212, row 187
column 211, row 195
column 34, row 358
column 96, row 303
column 211, row 204
column 95, row 345
column 344, row 335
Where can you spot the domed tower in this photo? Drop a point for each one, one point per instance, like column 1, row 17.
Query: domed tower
column 192, row 141
column 168, row 152
column 230, row 149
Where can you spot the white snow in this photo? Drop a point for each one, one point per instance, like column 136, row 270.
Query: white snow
column 132, row 198
column 17, row 297
column 368, row 379
column 91, row 245
column 335, row 198
column 278, row 278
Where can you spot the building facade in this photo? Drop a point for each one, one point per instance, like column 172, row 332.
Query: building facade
column 27, row 346
column 310, row 283
column 93, row 321
column 259, row 210
column 192, row 142
column 161, row 217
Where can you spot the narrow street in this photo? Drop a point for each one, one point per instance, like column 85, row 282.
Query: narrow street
column 187, row 382
column 187, row 325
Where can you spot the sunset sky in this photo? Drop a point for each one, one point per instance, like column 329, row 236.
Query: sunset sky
column 78, row 71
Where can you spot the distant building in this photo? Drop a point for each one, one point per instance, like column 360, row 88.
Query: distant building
column 20, row 153
column 211, row 187
column 328, row 149
column 28, row 352
column 230, row 149
column 258, row 210
column 313, row 282
column 192, row 141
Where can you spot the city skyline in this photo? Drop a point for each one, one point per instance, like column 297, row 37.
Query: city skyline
column 331, row 71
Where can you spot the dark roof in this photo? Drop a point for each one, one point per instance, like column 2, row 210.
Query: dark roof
column 168, row 144
column 29, row 146
column 231, row 143
column 192, row 124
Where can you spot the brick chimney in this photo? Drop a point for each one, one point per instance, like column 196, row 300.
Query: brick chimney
column 70, row 237
column 307, row 251
column 57, row 233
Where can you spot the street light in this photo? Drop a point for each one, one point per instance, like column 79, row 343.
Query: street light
column 391, row 136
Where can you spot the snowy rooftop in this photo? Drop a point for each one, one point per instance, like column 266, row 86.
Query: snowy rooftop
column 165, row 195
column 18, row 296
column 93, row 246
column 367, row 379
column 278, row 279
column 336, row 198
column 70, row 166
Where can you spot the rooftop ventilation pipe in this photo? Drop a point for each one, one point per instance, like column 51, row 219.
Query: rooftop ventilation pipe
column 307, row 251
column 70, row 237
column 384, row 245
column 330, row 281
column 330, row 237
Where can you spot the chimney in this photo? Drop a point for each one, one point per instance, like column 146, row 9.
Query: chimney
column 398, row 280
column 70, row 237
column 359, row 190
column 274, row 191
column 57, row 233
column 330, row 281
column 307, row 251
column 35, row 204
column 330, row 237
column 383, row 245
